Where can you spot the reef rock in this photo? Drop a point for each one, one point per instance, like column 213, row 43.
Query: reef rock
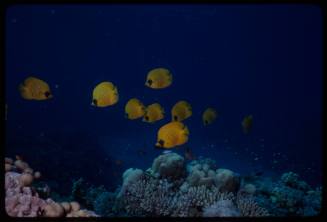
column 227, row 181
column 169, row 166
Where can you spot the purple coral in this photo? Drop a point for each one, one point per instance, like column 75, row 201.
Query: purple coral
column 22, row 200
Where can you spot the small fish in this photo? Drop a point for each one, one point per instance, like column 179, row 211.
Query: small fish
column 181, row 111
column 209, row 116
column 105, row 94
column 159, row 78
column 35, row 89
column 172, row 134
column 134, row 109
column 153, row 113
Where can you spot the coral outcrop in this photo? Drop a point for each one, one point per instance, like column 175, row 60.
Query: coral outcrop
column 204, row 172
column 205, row 191
column 23, row 200
column 169, row 166
column 289, row 196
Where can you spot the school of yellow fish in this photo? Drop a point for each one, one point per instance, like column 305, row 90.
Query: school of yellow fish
column 170, row 135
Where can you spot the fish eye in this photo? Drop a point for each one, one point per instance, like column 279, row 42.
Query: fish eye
column 161, row 142
column 150, row 82
column 95, row 102
column 175, row 118
column 146, row 118
column 206, row 122
column 47, row 94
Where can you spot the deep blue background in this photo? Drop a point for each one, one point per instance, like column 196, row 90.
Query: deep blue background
column 264, row 60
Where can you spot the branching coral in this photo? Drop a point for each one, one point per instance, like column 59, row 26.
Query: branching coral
column 249, row 207
column 148, row 196
column 222, row 208
column 192, row 202
column 152, row 197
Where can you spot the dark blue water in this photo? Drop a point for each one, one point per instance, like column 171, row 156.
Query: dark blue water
column 264, row 60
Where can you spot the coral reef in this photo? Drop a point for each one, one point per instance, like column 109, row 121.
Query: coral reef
column 222, row 208
column 168, row 188
column 249, row 207
column 23, row 200
column 227, row 181
column 129, row 176
column 289, row 196
column 159, row 195
column 103, row 204
column 204, row 172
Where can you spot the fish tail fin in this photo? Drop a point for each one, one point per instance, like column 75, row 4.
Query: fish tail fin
column 23, row 91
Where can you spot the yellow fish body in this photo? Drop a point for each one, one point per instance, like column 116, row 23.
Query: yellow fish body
column 209, row 116
column 181, row 111
column 247, row 124
column 159, row 78
column 134, row 109
column 105, row 94
column 35, row 89
column 153, row 113
column 172, row 134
